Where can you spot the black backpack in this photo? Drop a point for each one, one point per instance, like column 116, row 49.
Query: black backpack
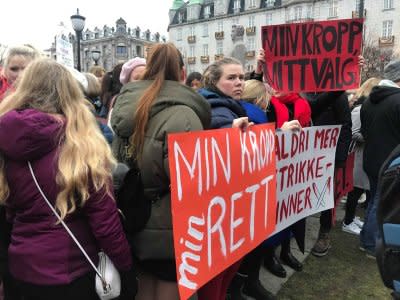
column 388, row 218
column 134, row 207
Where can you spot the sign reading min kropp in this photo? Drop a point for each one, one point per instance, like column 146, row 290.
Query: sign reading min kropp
column 313, row 56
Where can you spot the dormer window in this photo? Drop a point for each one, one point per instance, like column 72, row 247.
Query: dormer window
column 181, row 17
column 207, row 11
column 269, row 3
column 236, row 6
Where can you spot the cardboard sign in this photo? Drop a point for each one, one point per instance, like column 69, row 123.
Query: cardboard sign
column 223, row 194
column 344, row 178
column 304, row 173
column 311, row 57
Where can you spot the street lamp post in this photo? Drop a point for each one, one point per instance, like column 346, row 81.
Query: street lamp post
column 361, row 9
column 78, row 23
column 96, row 56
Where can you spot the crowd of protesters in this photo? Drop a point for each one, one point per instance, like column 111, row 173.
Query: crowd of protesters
column 74, row 127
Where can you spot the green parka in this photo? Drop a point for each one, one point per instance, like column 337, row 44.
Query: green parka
column 176, row 109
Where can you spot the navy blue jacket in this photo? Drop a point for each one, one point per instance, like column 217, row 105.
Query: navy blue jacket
column 223, row 109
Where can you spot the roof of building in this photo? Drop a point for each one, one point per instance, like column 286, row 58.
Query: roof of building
column 191, row 2
column 177, row 4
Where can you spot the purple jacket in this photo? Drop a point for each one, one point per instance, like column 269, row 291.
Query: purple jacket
column 41, row 251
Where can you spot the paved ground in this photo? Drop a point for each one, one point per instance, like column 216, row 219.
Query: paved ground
column 273, row 283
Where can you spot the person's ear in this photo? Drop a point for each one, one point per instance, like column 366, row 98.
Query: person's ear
column 183, row 74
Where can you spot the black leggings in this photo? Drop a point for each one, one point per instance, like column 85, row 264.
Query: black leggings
column 351, row 203
column 82, row 288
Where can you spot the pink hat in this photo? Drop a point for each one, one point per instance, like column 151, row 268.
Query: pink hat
column 128, row 67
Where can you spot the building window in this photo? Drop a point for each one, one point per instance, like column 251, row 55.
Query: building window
column 220, row 26
column 179, row 34
column 205, row 50
column 235, row 21
column 236, row 6
column 268, row 20
column 191, row 31
column 333, row 9
column 220, row 47
column 287, row 14
column 252, row 21
column 309, row 12
column 297, row 13
column 190, row 12
column 139, row 51
column 387, row 29
column 205, row 29
column 121, row 50
column 357, row 5
column 387, row 4
column 207, row 11
column 252, row 3
column 269, row 3
column 191, row 51
column 181, row 17
column 251, row 44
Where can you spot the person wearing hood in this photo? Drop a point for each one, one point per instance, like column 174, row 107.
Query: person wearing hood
column 351, row 223
column 380, row 127
column 145, row 112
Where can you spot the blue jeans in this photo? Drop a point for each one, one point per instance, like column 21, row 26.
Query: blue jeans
column 369, row 232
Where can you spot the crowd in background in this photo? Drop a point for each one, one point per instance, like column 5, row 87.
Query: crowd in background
column 74, row 127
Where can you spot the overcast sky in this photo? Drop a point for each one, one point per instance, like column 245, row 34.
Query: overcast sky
column 35, row 21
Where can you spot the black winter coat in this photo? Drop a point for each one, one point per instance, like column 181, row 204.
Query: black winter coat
column 380, row 127
column 332, row 108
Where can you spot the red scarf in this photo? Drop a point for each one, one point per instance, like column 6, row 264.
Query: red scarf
column 302, row 110
column 4, row 87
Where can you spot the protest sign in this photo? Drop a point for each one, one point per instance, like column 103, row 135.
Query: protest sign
column 223, row 198
column 311, row 57
column 305, row 163
column 344, row 178
column 64, row 51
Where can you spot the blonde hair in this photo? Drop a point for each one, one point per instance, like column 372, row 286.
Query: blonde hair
column 93, row 88
column 212, row 74
column 255, row 92
column 366, row 88
column 97, row 71
column 85, row 159
column 27, row 51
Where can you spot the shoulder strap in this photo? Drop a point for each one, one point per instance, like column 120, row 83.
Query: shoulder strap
column 65, row 225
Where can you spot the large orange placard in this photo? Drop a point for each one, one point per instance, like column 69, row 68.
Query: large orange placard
column 223, row 193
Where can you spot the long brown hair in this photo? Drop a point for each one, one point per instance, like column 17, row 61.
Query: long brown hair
column 163, row 63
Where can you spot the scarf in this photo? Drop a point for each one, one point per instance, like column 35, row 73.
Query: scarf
column 302, row 110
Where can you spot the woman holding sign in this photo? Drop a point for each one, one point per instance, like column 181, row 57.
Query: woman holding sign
column 223, row 89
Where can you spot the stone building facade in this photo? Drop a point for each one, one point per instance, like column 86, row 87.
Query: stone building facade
column 206, row 30
column 116, row 44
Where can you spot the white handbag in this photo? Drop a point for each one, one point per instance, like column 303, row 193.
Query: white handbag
column 108, row 281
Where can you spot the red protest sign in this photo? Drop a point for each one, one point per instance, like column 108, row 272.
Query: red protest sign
column 223, row 195
column 311, row 57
